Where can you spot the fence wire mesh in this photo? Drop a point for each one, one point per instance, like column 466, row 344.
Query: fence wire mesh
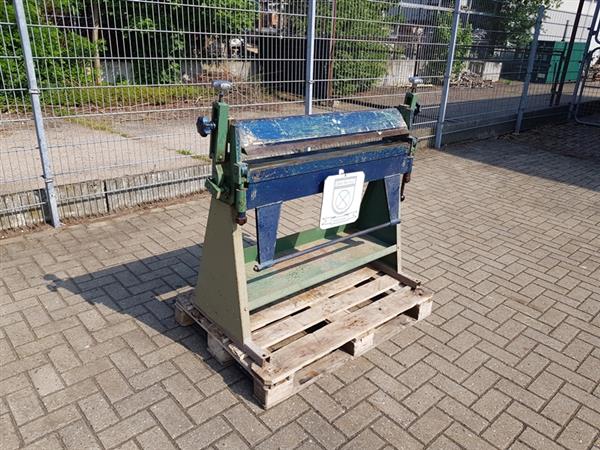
column 122, row 81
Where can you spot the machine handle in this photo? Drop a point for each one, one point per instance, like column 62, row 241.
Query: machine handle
column 223, row 86
column 205, row 126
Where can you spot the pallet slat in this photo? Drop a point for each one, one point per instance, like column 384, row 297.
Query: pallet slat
column 321, row 310
column 287, row 360
column 278, row 311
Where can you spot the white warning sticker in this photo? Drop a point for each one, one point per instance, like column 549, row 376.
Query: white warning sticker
column 341, row 199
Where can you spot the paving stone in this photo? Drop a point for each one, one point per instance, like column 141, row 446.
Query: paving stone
column 503, row 431
column 322, row 402
column 391, row 408
column 78, row 436
column 231, row 442
column 289, row 436
column 423, row 398
column 172, row 417
column 491, row 404
column 63, row 358
column 53, row 421
column 212, row 406
column 113, row 385
column 245, row 423
column 353, row 421
column 534, row 420
column 465, row 415
column 24, row 405
column 98, row 412
column 204, row 435
column 321, row 430
column 140, row 400
column 8, row 435
column 126, row 429
column 395, row 435
column 578, row 435
column 155, row 439
column 70, row 394
column 429, row 425
column 366, row 439
column 46, row 380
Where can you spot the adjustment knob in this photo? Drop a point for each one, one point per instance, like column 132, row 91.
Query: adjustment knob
column 205, row 126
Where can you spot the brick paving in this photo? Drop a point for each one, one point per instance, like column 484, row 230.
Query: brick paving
column 505, row 232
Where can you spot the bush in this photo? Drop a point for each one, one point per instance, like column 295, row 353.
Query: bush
column 63, row 58
column 358, row 64
column 122, row 96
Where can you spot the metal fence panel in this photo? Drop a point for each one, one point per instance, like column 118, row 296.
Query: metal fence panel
column 123, row 81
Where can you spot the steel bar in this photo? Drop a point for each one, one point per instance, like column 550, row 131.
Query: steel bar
column 530, row 63
column 314, row 248
column 565, row 68
column 34, row 93
column 594, row 33
column 448, row 72
column 310, row 56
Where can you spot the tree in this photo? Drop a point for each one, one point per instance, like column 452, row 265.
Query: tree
column 464, row 41
column 354, row 31
column 516, row 20
column 62, row 57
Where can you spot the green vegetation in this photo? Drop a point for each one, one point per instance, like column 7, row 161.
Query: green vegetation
column 49, row 45
column 464, row 41
column 122, row 96
column 98, row 125
column 359, row 59
column 185, row 152
column 518, row 18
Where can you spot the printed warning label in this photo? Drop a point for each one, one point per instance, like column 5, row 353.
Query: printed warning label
column 341, row 199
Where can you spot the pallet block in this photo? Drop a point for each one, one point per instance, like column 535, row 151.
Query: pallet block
column 298, row 340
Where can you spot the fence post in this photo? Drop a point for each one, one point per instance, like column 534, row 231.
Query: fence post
column 447, row 74
column 530, row 63
column 594, row 31
column 34, row 93
column 310, row 56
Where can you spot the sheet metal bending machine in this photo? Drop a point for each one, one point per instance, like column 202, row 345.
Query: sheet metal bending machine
column 274, row 301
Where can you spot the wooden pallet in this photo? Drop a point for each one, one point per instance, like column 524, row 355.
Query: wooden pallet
column 298, row 340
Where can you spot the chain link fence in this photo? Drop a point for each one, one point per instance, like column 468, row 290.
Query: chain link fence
column 121, row 82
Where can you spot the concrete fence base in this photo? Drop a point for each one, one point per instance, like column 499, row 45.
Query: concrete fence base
column 100, row 197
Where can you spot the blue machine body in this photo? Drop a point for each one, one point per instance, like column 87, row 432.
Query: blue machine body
column 281, row 159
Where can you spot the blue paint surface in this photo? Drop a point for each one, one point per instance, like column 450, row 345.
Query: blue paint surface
column 392, row 194
column 260, row 132
column 267, row 219
column 306, row 183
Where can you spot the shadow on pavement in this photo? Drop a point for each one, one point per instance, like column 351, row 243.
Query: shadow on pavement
column 567, row 153
column 146, row 290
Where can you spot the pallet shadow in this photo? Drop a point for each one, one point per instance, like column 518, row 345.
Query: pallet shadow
column 146, row 290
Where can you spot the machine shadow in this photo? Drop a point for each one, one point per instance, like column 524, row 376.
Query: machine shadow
column 542, row 159
column 146, row 290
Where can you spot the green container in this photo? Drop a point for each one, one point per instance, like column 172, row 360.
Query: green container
column 550, row 60
column 548, row 63
column 574, row 62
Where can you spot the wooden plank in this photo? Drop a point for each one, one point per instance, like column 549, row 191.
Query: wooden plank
column 292, row 276
column 321, row 310
column 268, row 315
column 311, row 347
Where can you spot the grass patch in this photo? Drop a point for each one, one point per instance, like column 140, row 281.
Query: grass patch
column 97, row 125
column 202, row 158
column 122, row 96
